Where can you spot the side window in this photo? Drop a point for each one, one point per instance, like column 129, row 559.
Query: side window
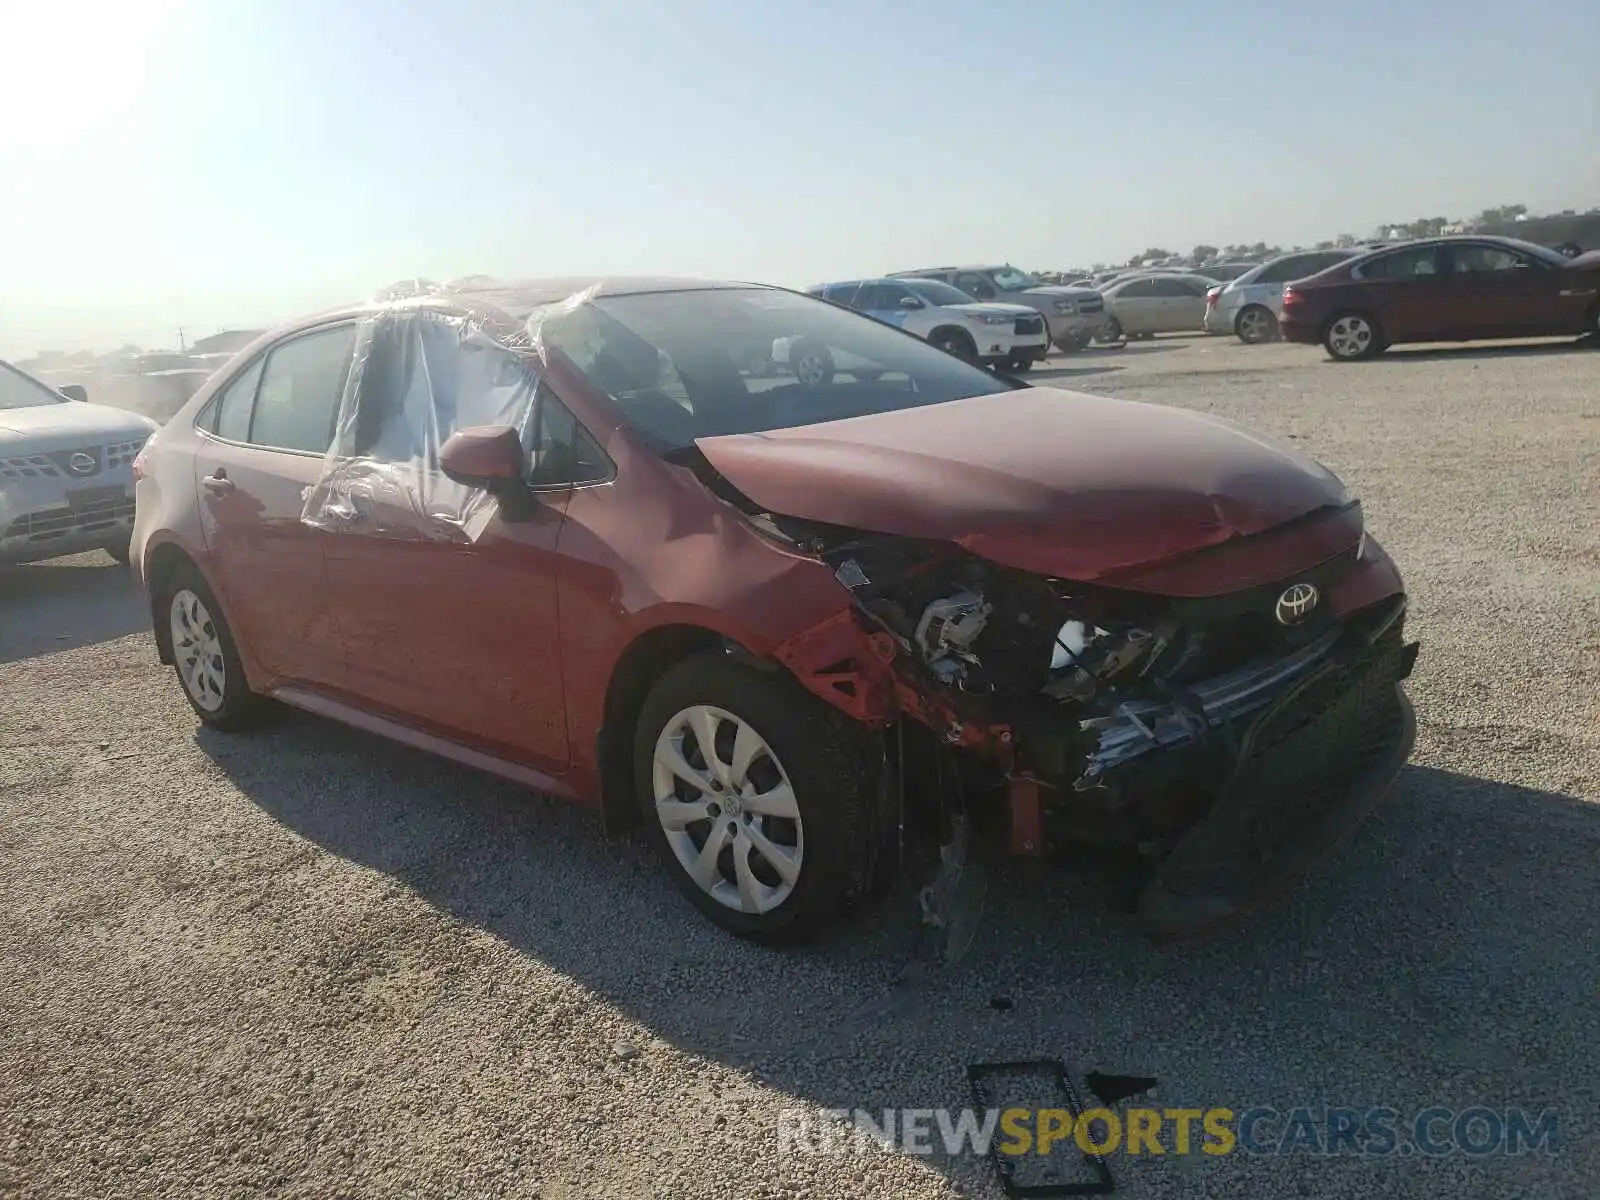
column 1402, row 264
column 1283, row 272
column 561, row 452
column 299, row 394
column 1324, row 261
column 1137, row 289
column 1482, row 258
column 874, row 297
column 230, row 416
column 975, row 284
column 1171, row 289
column 842, row 293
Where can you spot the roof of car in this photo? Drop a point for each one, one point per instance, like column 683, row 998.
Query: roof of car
column 967, row 267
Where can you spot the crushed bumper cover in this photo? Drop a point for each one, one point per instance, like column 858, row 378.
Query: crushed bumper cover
column 1310, row 767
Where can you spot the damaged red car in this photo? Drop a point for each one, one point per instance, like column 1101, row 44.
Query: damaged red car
column 891, row 613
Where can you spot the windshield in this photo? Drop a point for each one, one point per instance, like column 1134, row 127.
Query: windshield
column 23, row 391
column 1009, row 279
column 693, row 364
column 937, row 293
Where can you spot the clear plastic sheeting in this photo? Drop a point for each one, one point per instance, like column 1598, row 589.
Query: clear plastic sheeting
column 419, row 373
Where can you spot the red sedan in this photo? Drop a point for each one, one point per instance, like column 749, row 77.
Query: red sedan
column 898, row 612
column 1454, row 289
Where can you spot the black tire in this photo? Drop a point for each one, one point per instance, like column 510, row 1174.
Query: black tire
column 1255, row 324
column 956, row 342
column 237, row 707
column 1019, row 363
column 1112, row 331
column 867, row 376
column 1343, row 341
column 819, row 753
column 811, row 362
column 121, row 549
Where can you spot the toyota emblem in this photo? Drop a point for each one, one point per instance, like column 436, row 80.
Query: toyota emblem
column 1297, row 603
column 82, row 464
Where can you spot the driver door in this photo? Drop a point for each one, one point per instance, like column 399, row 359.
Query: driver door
column 452, row 630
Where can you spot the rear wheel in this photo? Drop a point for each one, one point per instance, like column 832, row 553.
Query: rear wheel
column 1255, row 324
column 1020, row 362
column 954, row 341
column 1352, row 336
column 754, row 799
column 205, row 654
column 1112, row 331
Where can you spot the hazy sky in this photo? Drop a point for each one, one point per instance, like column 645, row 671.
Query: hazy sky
column 212, row 162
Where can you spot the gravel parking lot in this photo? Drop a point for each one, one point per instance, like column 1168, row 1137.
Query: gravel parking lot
column 309, row 963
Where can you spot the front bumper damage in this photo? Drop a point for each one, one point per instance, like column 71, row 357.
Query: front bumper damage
column 1220, row 780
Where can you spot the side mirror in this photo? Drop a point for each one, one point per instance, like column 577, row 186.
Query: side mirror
column 910, row 302
column 75, row 391
column 483, row 456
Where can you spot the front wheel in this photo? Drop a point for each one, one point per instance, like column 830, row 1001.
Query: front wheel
column 1352, row 336
column 205, row 654
column 1020, row 362
column 952, row 341
column 1112, row 331
column 756, row 802
column 812, row 363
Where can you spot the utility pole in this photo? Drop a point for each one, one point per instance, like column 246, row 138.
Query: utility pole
column 183, row 345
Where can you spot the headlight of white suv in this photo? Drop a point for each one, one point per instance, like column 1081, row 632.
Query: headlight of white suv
column 987, row 319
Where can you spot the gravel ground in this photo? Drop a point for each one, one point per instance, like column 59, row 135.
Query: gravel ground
column 309, row 963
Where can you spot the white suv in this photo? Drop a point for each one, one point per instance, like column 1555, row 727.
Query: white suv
column 1011, row 336
column 66, row 471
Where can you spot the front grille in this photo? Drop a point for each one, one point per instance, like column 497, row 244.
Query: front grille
column 1092, row 305
column 82, row 462
column 120, row 454
column 1300, row 760
column 51, row 523
column 1027, row 326
column 28, row 466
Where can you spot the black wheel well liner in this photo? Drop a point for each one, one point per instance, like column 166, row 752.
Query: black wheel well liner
column 646, row 659
column 159, row 567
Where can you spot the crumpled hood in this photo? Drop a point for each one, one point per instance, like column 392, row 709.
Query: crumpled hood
column 1058, row 483
column 43, row 426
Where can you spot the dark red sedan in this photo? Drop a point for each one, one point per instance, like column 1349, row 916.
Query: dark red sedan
column 1453, row 289
column 901, row 612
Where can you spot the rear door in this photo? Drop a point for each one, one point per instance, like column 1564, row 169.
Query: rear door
column 1503, row 292
column 1138, row 308
column 1409, row 295
column 1183, row 304
column 882, row 302
column 261, row 445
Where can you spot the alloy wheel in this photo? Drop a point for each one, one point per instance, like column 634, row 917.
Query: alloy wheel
column 811, row 370
column 198, row 650
column 1255, row 326
column 728, row 809
column 1350, row 337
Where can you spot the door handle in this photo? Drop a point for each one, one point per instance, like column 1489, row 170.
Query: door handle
column 218, row 483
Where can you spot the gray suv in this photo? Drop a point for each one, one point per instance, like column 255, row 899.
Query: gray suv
column 66, row 471
column 1075, row 315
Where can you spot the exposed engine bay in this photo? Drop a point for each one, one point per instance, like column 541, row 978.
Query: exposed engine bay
column 1117, row 719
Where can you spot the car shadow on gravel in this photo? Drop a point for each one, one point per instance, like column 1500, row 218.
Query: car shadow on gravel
column 66, row 604
column 1443, row 956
